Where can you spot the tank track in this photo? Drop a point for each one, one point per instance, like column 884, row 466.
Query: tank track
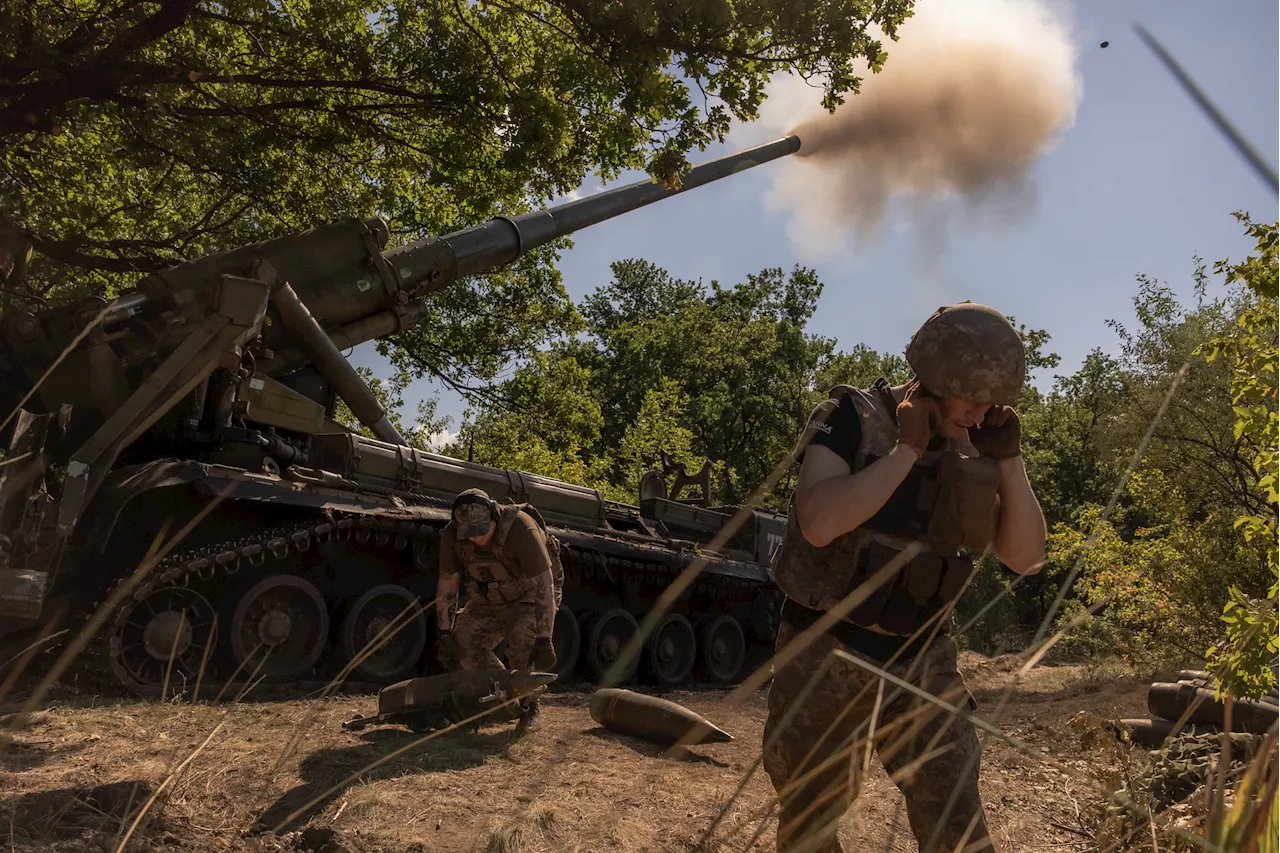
column 208, row 564
column 222, row 560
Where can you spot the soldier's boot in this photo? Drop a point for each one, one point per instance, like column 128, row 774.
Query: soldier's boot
column 530, row 718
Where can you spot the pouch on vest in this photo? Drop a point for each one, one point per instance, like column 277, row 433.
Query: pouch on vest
column 955, row 576
column 499, row 592
column 874, row 557
column 904, row 515
column 914, row 594
column 952, row 575
column 487, row 569
column 915, row 583
column 965, row 510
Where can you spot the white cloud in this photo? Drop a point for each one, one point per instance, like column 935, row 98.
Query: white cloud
column 437, row 440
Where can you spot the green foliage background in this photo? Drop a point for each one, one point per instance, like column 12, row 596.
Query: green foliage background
column 137, row 135
column 1182, row 569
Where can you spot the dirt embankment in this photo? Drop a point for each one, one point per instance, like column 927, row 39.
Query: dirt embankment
column 77, row 777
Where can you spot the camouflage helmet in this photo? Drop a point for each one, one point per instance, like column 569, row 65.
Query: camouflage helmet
column 969, row 351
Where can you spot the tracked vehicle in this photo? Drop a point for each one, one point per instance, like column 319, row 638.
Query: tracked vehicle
column 173, row 464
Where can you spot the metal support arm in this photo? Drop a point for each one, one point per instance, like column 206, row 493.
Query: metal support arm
column 331, row 364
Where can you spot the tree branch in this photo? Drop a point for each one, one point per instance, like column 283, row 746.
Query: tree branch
column 172, row 14
column 63, row 252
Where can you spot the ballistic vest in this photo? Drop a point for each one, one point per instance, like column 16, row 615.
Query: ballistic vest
column 497, row 566
column 946, row 503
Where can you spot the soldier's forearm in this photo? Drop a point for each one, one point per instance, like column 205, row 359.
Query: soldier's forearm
column 1021, row 532
column 446, row 601
column 547, row 605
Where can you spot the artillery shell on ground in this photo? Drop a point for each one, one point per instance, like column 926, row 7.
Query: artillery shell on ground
column 440, row 701
column 1203, row 679
column 1152, row 733
column 1171, row 701
column 650, row 718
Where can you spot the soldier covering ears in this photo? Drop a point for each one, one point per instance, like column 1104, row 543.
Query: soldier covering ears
column 934, row 469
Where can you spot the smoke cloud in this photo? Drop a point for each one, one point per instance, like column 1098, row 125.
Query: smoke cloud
column 972, row 93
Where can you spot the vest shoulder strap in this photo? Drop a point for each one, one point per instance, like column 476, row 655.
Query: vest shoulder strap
column 532, row 511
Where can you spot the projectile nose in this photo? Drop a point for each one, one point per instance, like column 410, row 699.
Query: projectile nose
column 543, row 678
column 716, row 734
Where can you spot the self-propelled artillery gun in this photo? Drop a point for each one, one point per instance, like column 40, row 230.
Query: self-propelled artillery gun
column 173, row 465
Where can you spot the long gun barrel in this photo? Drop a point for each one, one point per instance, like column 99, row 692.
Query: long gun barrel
column 335, row 287
column 237, row 360
column 502, row 240
column 359, row 292
column 284, row 304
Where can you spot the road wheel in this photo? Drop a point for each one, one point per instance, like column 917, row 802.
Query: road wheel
column 392, row 609
column 671, row 651
column 722, row 649
column 607, row 636
column 278, row 629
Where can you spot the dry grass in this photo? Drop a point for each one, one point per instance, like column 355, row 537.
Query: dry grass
column 609, row 803
column 570, row 787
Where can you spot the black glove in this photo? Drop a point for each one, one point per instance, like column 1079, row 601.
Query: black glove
column 543, row 658
column 999, row 436
column 447, row 650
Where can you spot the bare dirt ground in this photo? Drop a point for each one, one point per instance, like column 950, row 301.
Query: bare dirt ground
column 75, row 778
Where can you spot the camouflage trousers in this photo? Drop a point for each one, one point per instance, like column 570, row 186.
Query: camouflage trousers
column 817, row 761
column 484, row 623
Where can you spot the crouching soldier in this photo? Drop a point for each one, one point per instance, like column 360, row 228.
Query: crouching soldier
column 514, row 584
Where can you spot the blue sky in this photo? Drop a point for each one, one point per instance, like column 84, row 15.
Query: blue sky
column 1139, row 183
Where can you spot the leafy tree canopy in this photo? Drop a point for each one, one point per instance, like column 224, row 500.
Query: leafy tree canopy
column 1185, row 567
column 725, row 374
column 135, row 135
column 1245, row 659
column 705, row 373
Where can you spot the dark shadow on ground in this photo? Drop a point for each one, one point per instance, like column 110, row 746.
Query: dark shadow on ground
column 18, row 754
column 43, row 817
column 652, row 750
column 322, row 770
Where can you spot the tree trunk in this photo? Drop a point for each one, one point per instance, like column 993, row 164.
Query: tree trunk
column 15, row 252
